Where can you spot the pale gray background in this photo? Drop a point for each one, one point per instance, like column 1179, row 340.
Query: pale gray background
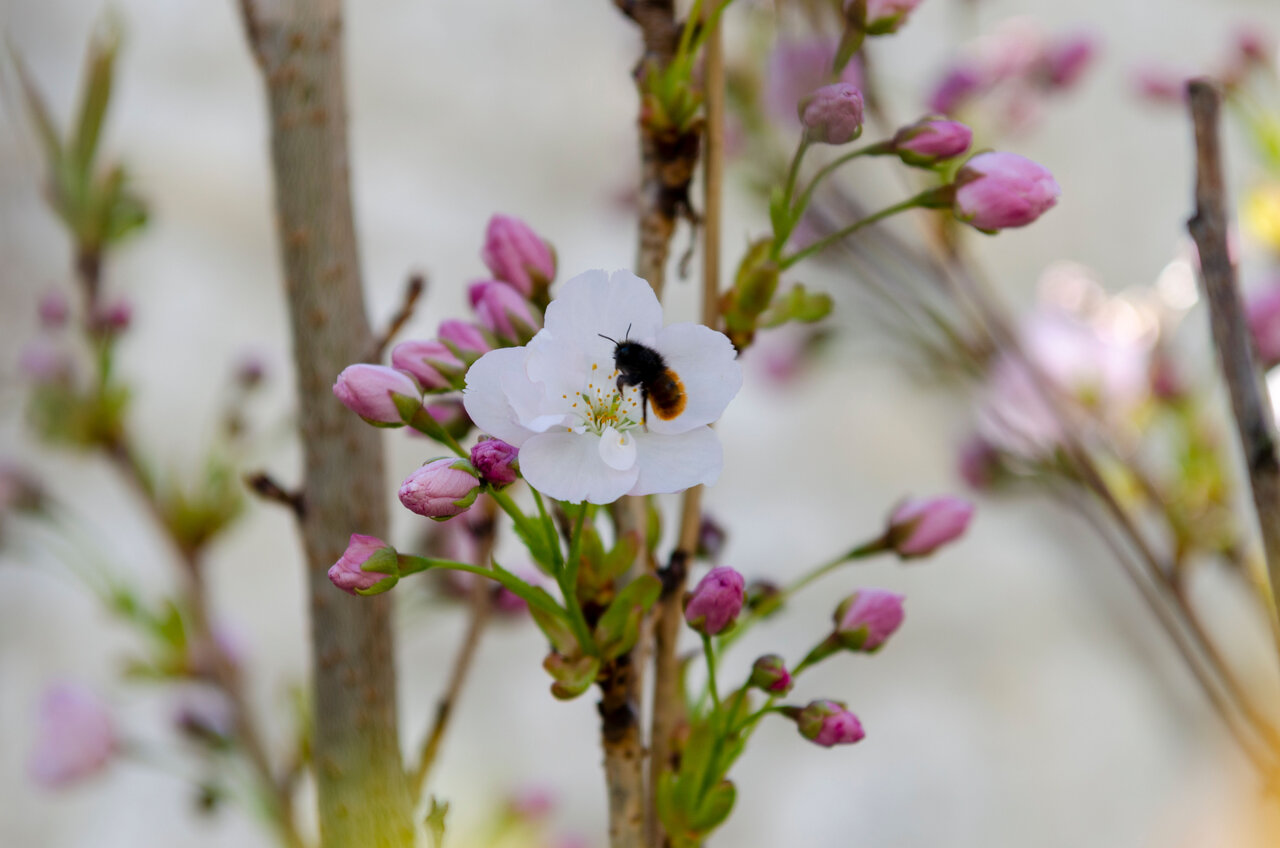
column 1029, row 701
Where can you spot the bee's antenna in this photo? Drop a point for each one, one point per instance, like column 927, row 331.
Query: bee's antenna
column 628, row 335
column 606, row 338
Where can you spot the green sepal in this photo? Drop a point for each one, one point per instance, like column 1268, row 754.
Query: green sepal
column 572, row 677
column 411, row 411
column 619, row 627
column 620, row 558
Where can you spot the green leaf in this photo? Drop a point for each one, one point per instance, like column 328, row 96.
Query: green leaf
column 695, row 760
column 38, row 112
column 714, row 808
column 96, row 94
column 798, row 304
column 556, row 629
column 619, row 627
column 435, row 821
column 572, row 676
column 620, row 558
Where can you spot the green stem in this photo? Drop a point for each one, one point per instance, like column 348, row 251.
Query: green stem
column 878, row 149
column 549, row 531
column 412, row 564
column 503, row 500
column 567, row 578
column 823, row 243
column 686, row 34
column 710, row 654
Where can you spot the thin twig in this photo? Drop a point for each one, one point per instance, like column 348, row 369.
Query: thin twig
column 480, row 605
column 413, row 290
column 1231, row 337
column 266, row 487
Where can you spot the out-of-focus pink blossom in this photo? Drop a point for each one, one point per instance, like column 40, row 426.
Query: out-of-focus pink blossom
column 978, row 463
column 44, row 361
column 1262, row 313
column 1066, row 59
column 114, row 317
column 75, row 739
column 54, row 310
column 1161, row 86
column 919, row 526
column 798, row 67
column 517, row 255
column 960, row 83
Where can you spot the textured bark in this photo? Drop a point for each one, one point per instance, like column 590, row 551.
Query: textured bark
column 362, row 791
column 623, row 753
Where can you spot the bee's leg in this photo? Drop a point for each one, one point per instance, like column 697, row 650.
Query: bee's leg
column 644, row 408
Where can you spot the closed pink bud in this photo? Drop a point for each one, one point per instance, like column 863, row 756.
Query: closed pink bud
column 714, row 604
column 832, row 114
column 440, row 490
column 931, row 140
column 367, row 564
column 367, row 391
column 76, row 736
column 430, row 362
column 919, row 526
column 995, row 191
column 1262, row 313
column 886, row 16
column 956, row 87
column 868, row 617
column 828, row 723
column 517, row 255
column 769, row 673
column 503, row 311
column 1065, row 61
column 113, row 317
column 54, row 310
column 496, row 461
column 465, row 337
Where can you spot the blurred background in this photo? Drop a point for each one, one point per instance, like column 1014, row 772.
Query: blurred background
column 1029, row 700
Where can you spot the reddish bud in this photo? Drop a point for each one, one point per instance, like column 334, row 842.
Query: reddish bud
column 430, row 362
column 496, row 462
column 832, row 114
column 503, row 311
column 931, row 140
column 769, row 673
column 517, row 255
column 828, row 723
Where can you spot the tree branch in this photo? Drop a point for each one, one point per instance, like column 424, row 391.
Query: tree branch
column 362, row 792
column 1249, row 401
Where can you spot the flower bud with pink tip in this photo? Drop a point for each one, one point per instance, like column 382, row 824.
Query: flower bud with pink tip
column 930, row 141
column 503, row 311
column 1064, row 61
column 829, row 723
column 832, row 114
column 919, row 526
column 430, row 362
column 713, row 605
column 996, row 191
column 867, row 618
column 496, row 462
column 769, row 674
column 369, row 566
column 76, row 736
column 517, row 255
column 441, row 489
column 467, row 338
column 369, row 391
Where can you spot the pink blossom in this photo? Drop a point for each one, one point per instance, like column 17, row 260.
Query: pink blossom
column 798, row 67
column 438, row 490
column 76, row 736
column 1066, row 59
column 919, row 526
column 931, row 140
column 428, row 361
column 995, row 191
column 715, row 602
column 349, row 573
column 465, row 337
column 367, row 391
column 517, row 255
column 829, row 723
column 1262, row 313
column 957, row 85
column 868, row 617
column 503, row 311
column 832, row 114
column 54, row 310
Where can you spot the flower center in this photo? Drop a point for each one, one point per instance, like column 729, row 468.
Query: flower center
column 600, row 406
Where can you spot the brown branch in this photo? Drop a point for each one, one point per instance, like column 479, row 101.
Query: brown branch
column 480, row 605
column 623, row 752
column 363, row 795
column 668, row 705
column 1231, row 337
column 266, row 487
column 412, row 292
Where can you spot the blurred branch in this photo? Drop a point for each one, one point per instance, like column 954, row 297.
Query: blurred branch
column 265, row 486
column 479, row 608
column 412, row 292
column 362, row 791
column 1249, row 402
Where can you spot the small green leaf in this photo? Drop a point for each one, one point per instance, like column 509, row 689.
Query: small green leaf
column 96, row 94
column 714, row 808
column 619, row 627
column 435, row 821
column 556, row 629
column 572, row 676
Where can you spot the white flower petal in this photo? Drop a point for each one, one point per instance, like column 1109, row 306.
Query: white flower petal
column 617, row 450
column 708, row 368
column 675, row 463
column 560, row 367
column 595, row 303
column 485, row 397
column 567, row 466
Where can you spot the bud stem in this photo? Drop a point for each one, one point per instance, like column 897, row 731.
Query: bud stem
column 924, row 198
column 880, row 148
column 709, row 651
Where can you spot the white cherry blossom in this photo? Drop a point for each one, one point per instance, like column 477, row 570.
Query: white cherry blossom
column 556, row 399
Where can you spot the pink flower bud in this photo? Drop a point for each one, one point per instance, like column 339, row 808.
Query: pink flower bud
column 465, row 337
column 368, row 566
column 113, row 317
column 711, row 538
column 76, row 736
column 932, row 140
column 832, row 114
column 955, row 88
column 1161, row 86
column 828, row 723
column 1262, row 313
column 886, row 16
column 714, row 604
column 995, row 191
column 978, row 462
column 503, row 311
column 796, row 68
column 868, row 617
column 517, row 255
column 769, row 673
column 430, row 362
column 367, row 391
column 439, row 490
column 1065, row 61
column 54, row 310
column 496, row 462
column 919, row 526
